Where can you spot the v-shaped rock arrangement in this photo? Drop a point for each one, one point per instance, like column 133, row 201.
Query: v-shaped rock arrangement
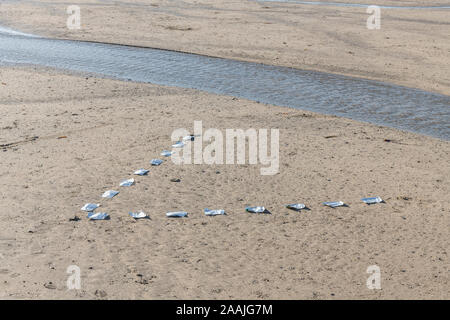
column 91, row 207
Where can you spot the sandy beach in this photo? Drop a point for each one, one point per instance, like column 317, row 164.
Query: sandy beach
column 66, row 138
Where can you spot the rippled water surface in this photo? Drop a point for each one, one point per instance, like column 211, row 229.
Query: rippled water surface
column 357, row 5
column 371, row 101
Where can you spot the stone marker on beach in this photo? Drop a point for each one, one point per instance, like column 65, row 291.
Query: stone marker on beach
column 179, row 144
column 259, row 209
column 98, row 216
column 178, row 214
column 141, row 172
column 127, row 183
column 214, row 212
column 334, row 204
column 110, row 194
column 138, row 215
column 372, row 200
column 296, row 206
column 156, row 162
column 190, row 137
column 166, row 153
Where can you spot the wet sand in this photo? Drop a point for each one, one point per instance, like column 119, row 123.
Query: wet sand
column 410, row 49
column 65, row 139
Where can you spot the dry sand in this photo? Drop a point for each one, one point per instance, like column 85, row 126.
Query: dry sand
column 412, row 47
column 111, row 128
column 65, row 139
